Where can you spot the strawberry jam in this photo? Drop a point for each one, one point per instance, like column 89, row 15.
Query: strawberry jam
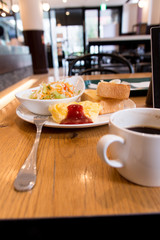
column 76, row 115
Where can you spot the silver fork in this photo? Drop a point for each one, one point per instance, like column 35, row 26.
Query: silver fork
column 26, row 177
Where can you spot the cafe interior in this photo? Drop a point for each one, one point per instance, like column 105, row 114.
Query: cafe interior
column 46, row 41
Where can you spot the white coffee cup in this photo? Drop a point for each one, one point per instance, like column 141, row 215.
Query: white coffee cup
column 135, row 155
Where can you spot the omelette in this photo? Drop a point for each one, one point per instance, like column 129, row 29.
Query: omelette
column 59, row 111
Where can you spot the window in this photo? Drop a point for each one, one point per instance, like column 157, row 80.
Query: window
column 109, row 23
column 8, row 28
column 69, row 31
column 91, row 24
column 109, row 27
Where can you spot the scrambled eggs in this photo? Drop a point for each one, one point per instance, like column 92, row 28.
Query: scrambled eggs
column 59, row 111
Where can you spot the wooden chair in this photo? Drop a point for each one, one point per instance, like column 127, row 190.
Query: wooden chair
column 100, row 63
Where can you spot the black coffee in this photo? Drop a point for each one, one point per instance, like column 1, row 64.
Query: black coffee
column 148, row 130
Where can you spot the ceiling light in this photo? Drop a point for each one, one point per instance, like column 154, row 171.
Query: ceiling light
column 3, row 14
column 141, row 3
column 45, row 7
column 15, row 8
column 67, row 13
column 64, row 1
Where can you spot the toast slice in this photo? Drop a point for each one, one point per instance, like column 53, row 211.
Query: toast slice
column 113, row 90
column 108, row 105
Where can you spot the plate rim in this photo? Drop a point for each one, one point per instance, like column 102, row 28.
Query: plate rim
column 53, row 124
column 22, row 115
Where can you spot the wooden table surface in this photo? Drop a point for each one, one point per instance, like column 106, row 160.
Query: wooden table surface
column 71, row 179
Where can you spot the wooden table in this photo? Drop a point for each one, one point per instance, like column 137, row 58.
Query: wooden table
column 71, row 180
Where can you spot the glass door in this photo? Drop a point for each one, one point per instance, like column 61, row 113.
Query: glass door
column 109, row 27
column 75, row 39
column 91, row 27
column 69, row 30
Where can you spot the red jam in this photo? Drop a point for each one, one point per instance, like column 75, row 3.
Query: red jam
column 76, row 115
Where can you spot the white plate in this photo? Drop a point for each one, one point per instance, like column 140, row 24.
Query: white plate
column 28, row 116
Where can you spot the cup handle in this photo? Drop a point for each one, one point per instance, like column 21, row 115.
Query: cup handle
column 102, row 147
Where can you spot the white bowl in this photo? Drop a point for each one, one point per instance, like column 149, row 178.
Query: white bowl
column 38, row 106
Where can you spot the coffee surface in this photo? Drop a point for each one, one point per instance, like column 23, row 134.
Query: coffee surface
column 144, row 129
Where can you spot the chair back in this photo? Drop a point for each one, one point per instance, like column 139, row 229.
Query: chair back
column 100, row 63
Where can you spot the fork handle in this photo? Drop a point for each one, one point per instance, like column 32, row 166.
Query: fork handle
column 26, row 177
column 31, row 160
